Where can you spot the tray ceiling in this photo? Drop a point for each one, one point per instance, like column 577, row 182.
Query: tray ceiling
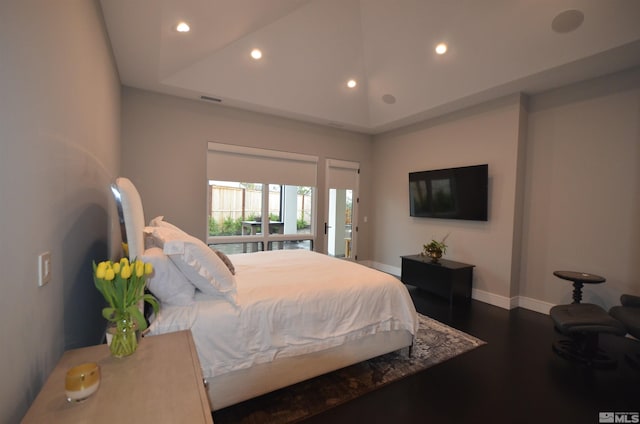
column 311, row 48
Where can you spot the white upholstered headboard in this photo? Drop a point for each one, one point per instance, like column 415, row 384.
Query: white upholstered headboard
column 131, row 214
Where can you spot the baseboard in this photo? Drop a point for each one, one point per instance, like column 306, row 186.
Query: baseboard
column 480, row 295
column 393, row 270
column 493, row 299
column 534, row 304
column 366, row 263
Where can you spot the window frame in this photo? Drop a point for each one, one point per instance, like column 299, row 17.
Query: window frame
column 265, row 239
column 304, row 167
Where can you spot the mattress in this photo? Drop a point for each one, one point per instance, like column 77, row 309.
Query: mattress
column 289, row 303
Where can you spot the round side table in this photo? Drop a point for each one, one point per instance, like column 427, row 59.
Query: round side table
column 579, row 279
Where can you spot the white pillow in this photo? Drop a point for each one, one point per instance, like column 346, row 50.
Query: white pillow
column 159, row 221
column 167, row 283
column 197, row 262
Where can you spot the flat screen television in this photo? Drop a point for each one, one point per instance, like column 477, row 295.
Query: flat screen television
column 452, row 193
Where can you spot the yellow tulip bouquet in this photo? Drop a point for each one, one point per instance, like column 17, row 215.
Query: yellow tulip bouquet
column 122, row 285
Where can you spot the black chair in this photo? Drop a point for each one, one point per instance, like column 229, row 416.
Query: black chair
column 629, row 315
column 583, row 323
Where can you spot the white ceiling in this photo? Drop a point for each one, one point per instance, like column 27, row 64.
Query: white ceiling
column 312, row 47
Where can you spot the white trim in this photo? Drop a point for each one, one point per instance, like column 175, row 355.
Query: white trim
column 493, row 299
column 534, row 304
column 393, row 270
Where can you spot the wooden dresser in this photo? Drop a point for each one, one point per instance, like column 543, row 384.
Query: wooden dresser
column 160, row 383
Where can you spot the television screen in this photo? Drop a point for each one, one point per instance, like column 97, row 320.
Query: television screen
column 452, row 193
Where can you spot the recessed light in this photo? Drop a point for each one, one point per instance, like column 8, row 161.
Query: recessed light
column 441, row 48
column 183, row 27
column 352, row 83
column 256, row 54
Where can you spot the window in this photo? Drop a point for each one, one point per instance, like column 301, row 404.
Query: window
column 233, row 203
column 277, row 212
column 236, row 209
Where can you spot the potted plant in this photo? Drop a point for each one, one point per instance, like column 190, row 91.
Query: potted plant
column 122, row 285
column 435, row 249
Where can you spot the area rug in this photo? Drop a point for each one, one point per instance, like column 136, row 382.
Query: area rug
column 435, row 343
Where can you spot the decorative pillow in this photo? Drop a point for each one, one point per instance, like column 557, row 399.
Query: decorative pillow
column 226, row 260
column 197, row 262
column 167, row 283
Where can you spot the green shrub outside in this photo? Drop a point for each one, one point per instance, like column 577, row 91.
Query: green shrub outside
column 233, row 227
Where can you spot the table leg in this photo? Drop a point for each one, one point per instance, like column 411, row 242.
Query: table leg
column 577, row 291
column 244, row 245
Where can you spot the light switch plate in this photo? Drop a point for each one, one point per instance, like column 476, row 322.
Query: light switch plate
column 44, row 268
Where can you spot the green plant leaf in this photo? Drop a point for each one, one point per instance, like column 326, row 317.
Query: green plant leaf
column 138, row 317
column 108, row 313
column 152, row 301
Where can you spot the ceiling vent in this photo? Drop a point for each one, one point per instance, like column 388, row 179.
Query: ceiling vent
column 210, row 99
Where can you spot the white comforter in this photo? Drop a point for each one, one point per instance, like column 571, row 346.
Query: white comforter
column 290, row 302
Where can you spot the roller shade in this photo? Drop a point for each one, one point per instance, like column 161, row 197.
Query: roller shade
column 228, row 162
column 342, row 174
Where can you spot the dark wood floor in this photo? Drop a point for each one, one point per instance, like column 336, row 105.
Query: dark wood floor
column 515, row 378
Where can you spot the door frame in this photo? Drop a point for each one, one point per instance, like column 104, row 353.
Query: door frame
column 344, row 165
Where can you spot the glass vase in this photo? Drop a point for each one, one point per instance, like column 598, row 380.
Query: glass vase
column 122, row 336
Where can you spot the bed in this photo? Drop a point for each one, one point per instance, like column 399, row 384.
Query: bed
column 264, row 320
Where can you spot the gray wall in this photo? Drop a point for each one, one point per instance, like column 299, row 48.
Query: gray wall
column 165, row 148
column 490, row 134
column 59, row 141
column 582, row 189
column 564, row 192
column 563, row 180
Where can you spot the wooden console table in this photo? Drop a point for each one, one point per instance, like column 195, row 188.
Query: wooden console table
column 449, row 279
column 160, row 383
